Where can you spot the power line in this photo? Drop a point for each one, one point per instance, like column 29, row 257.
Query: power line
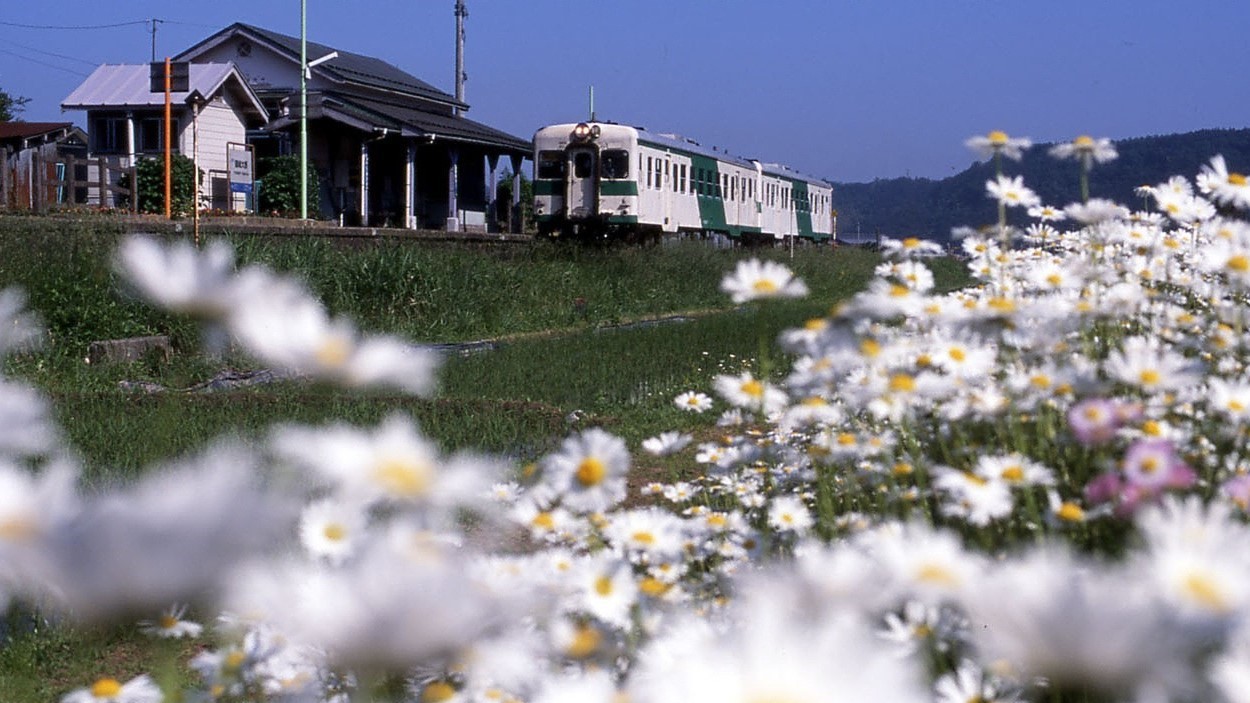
column 49, row 53
column 81, row 26
column 43, row 63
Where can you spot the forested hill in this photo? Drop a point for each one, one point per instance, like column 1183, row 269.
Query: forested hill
column 929, row 208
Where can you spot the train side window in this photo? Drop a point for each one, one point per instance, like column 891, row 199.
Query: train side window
column 683, row 178
column 551, row 165
column 649, row 176
column 614, row 163
column 659, row 174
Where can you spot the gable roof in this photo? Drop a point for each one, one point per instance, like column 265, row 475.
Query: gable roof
column 347, row 68
column 370, row 113
column 26, row 130
column 129, row 85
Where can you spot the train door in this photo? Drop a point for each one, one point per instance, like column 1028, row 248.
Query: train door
column 582, row 186
column 666, row 193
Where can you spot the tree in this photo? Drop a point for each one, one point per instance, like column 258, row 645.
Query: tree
column 11, row 107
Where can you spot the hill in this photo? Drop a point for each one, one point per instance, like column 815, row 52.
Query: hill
column 929, row 208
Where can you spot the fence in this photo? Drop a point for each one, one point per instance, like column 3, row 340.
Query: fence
column 37, row 181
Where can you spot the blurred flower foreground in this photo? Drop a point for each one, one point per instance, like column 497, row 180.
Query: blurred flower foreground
column 1032, row 488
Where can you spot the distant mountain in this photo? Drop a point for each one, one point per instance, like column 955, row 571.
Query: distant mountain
column 922, row 207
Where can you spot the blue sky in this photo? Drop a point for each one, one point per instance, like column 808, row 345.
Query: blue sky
column 850, row 90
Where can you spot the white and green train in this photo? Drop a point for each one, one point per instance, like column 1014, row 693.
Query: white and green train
column 600, row 179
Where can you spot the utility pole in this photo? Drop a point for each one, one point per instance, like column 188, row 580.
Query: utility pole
column 303, row 110
column 154, row 21
column 461, row 13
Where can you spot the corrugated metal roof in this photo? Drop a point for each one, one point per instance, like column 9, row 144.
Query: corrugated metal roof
column 129, row 85
column 347, row 67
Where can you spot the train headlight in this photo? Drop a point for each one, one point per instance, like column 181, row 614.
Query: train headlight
column 583, row 132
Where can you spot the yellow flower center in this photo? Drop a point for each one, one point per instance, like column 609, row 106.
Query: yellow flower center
column 846, row 439
column 403, row 477
column 1039, row 380
column 1239, row 263
column 902, row 468
column 999, row 304
column 1206, row 593
column 653, row 587
column 1054, row 279
column 1149, row 377
column 911, row 242
column 1237, row 179
column 603, row 585
column 957, row 354
column 585, row 642
column 643, row 537
column 899, row 291
column 1084, row 141
column 333, row 352
column 233, row 660
column 765, row 286
column 1071, row 512
column 1149, row 465
column 997, row 138
column 816, row 324
column 437, row 692
column 870, row 347
column 1235, row 406
column 167, row 622
column 936, row 574
column 334, row 532
column 753, row 388
column 902, row 383
column 1014, row 474
column 17, row 529
column 1152, row 428
column 106, row 688
column 543, row 520
column 591, row 472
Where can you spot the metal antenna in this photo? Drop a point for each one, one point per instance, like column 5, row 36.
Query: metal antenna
column 592, row 103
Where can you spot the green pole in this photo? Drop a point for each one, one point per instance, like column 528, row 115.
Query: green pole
column 303, row 109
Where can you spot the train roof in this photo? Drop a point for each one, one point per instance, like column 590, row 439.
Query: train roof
column 676, row 141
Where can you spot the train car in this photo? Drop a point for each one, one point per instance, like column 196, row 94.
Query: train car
column 601, row 179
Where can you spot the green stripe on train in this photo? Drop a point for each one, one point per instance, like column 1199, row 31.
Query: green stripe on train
column 548, row 188
column 618, row 188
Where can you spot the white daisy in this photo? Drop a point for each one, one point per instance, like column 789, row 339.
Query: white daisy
column 754, row 279
column 588, row 472
column 693, row 401
column 666, row 443
column 997, row 142
column 140, row 689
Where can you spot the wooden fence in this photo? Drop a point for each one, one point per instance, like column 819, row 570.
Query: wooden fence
column 37, row 181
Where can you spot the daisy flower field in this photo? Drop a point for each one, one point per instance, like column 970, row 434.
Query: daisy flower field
column 1033, row 488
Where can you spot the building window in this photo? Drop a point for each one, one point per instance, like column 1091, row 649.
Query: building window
column 151, row 135
column 108, row 135
column 683, row 178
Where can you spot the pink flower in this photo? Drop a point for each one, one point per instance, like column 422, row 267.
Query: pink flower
column 1096, row 420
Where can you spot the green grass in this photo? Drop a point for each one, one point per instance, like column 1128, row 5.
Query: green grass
column 554, row 357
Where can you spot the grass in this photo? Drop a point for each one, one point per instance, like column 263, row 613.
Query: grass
column 555, row 310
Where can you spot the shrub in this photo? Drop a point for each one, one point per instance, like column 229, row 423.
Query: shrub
column 150, row 173
column 279, row 192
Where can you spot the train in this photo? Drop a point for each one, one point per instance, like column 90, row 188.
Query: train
column 603, row 180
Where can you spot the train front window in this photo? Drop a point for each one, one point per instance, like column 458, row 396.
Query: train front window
column 583, row 164
column 614, row 163
column 551, row 165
